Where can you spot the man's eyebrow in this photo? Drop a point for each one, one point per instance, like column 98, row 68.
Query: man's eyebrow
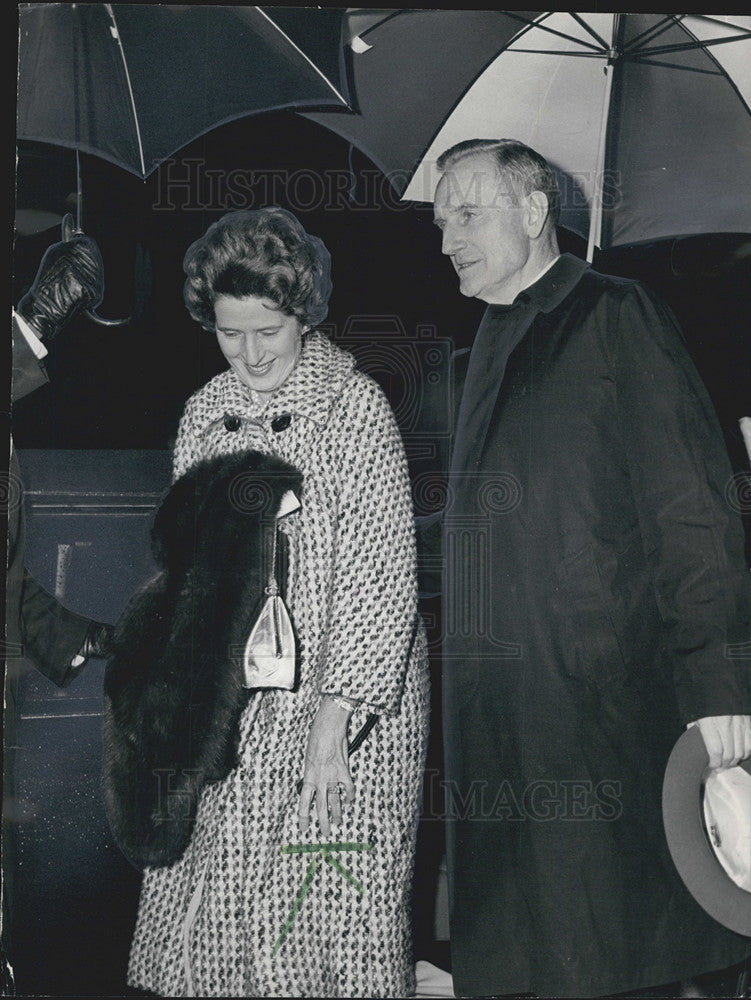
column 459, row 208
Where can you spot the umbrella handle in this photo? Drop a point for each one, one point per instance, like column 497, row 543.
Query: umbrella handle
column 69, row 230
column 105, row 322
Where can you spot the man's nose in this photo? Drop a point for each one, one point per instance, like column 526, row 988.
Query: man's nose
column 252, row 349
column 450, row 241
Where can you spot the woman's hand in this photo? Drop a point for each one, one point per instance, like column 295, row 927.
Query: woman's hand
column 327, row 776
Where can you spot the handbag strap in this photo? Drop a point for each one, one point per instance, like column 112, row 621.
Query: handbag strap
column 272, row 587
column 363, row 733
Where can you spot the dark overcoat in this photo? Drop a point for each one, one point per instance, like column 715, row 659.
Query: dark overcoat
column 595, row 601
column 38, row 628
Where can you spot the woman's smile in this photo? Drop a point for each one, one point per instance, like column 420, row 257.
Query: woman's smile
column 259, row 369
column 261, row 343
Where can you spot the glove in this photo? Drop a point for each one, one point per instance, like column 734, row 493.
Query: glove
column 69, row 280
column 98, row 641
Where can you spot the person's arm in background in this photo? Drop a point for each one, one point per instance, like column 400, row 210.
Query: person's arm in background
column 29, row 352
column 56, row 641
column 70, row 279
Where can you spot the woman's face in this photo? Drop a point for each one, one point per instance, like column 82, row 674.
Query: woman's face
column 260, row 343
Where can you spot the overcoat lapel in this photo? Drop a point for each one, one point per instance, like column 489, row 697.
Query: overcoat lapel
column 541, row 297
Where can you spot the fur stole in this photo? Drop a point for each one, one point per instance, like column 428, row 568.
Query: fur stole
column 173, row 685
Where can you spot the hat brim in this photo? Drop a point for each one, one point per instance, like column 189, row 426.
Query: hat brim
column 702, row 873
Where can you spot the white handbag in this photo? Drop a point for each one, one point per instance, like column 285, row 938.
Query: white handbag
column 269, row 655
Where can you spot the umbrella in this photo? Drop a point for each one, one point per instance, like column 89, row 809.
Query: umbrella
column 645, row 116
column 134, row 83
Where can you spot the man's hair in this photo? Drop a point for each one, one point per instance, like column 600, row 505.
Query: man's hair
column 522, row 167
column 264, row 252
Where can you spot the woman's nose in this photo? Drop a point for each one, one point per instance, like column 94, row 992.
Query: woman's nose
column 252, row 349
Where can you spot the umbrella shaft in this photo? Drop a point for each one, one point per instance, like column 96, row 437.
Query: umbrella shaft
column 595, row 212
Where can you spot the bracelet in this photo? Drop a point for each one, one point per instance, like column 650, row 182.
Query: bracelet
column 343, row 703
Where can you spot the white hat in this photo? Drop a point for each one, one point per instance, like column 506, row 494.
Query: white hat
column 707, row 819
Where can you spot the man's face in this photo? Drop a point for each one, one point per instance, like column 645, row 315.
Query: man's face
column 483, row 229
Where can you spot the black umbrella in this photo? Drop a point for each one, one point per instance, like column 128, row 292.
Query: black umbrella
column 134, row 83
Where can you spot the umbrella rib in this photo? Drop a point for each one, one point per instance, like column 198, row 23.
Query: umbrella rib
column 646, row 60
column 718, row 21
column 721, row 71
column 651, row 33
column 379, row 24
column 697, row 44
column 127, row 79
column 558, row 52
column 307, row 59
column 589, row 29
column 553, row 31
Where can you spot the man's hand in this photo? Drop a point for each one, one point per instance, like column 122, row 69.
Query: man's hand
column 69, row 280
column 98, row 641
column 727, row 739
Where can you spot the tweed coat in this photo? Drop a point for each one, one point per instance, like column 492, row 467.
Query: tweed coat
column 254, row 907
column 602, row 564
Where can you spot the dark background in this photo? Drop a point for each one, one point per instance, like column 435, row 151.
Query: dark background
column 116, row 395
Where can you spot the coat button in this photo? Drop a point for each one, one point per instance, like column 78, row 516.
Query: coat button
column 281, row 423
column 231, row 422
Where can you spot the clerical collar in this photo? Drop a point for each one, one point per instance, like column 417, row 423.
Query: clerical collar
column 540, row 273
column 551, row 287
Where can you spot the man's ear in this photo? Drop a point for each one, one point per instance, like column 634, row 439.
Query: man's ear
column 536, row 213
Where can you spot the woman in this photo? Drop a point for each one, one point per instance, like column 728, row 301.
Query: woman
column 256, row 907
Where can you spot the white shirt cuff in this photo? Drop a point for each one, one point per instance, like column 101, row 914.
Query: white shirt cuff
column 31, row 338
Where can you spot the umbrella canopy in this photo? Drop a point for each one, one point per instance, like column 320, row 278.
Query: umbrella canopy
column 133, row 83
column 645, row 116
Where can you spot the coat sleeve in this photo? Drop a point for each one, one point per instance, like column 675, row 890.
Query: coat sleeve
column 51, row 635
column 691, row 529
column 372, row 619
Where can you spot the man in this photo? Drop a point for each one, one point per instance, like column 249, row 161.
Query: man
column 595, row 591
column 38, row 629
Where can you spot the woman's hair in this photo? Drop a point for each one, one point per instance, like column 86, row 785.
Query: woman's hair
column 263, row 252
